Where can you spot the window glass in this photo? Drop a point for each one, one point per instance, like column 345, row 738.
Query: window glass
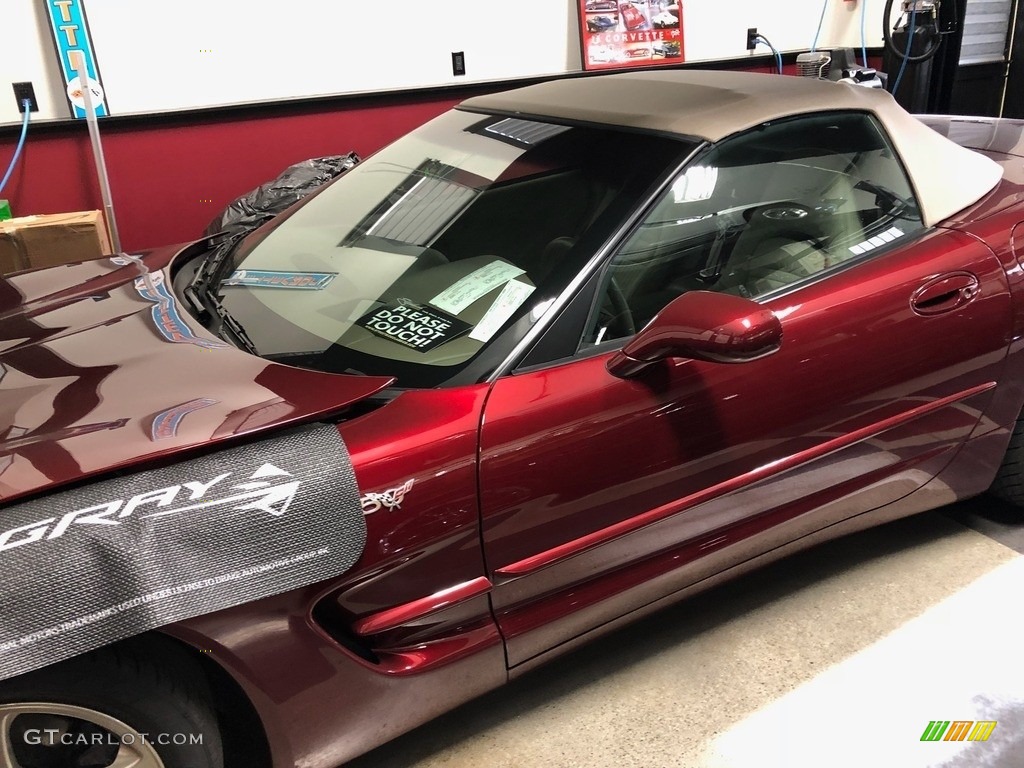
column 437, row 248
column 760, row 213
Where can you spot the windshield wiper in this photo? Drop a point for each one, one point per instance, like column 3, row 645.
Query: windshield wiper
column 201, row 296
column 235, row 327
column 199, row 288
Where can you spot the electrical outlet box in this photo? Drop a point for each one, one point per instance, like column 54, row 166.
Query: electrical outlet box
column 458, row 62
column 751, row 38
column 23, row 91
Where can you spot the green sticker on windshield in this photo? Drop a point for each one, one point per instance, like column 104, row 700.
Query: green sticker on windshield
column 413, row 326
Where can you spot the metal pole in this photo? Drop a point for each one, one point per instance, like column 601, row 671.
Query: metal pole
column 1013, row 21
column 97, row 151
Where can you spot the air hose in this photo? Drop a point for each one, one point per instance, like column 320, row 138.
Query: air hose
column 21, row 143
column 894, row 49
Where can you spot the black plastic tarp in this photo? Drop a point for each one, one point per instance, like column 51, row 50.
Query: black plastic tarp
column 269, row 199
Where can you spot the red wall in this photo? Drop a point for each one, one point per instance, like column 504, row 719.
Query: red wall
column 170, row 177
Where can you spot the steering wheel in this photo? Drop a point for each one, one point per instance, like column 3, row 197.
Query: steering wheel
column 779, row 214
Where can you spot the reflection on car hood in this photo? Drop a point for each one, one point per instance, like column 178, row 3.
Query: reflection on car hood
column 991, row 134
column 101, row 369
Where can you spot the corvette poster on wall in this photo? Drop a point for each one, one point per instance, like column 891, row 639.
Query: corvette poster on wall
column 631, row 33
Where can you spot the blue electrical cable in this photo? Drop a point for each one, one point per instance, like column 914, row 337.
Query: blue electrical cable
column 814, row 46
column 906, row 54
column 21, row 143
column 778, row 56
column 863, row 33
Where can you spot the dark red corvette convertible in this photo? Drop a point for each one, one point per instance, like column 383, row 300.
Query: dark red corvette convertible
column 559, row 357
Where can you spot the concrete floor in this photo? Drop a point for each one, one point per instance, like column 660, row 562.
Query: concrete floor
column 839, row 656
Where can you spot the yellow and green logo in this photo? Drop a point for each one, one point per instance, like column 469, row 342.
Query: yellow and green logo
column 958, row 730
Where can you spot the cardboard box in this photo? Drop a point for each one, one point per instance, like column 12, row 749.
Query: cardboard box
column 29, row 242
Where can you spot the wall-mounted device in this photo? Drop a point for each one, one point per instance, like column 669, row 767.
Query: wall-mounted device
column 814, row 64
column 910, row 47
column 25, row 92
column 841, row 66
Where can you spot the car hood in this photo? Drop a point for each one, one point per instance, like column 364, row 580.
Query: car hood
column 988, row 134
column 101, row 369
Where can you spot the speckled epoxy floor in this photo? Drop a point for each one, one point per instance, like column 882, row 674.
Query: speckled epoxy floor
column 838, row 656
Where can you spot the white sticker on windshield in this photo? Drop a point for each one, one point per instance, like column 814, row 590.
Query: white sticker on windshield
column 509, row 300
column 476, row 284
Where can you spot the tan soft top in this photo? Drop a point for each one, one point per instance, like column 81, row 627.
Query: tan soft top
column 712, row 105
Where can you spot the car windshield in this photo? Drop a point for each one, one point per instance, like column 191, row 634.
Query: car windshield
column 440, row 248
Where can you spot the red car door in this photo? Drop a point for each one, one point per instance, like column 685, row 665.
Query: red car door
column 601, row 495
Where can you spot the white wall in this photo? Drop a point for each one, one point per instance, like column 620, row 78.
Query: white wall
column 314, row 47
column 716, row 29
column 27, row 54
column 159, row 56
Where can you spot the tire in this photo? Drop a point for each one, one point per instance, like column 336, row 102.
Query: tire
column 1009, row 482
column 147, row 699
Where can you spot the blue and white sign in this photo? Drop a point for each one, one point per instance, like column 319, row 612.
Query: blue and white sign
column 165, row 424
column 71, row 34
column 266, row 278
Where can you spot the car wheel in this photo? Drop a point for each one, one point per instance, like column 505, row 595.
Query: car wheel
column 115, row 708
column 1009, row 482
